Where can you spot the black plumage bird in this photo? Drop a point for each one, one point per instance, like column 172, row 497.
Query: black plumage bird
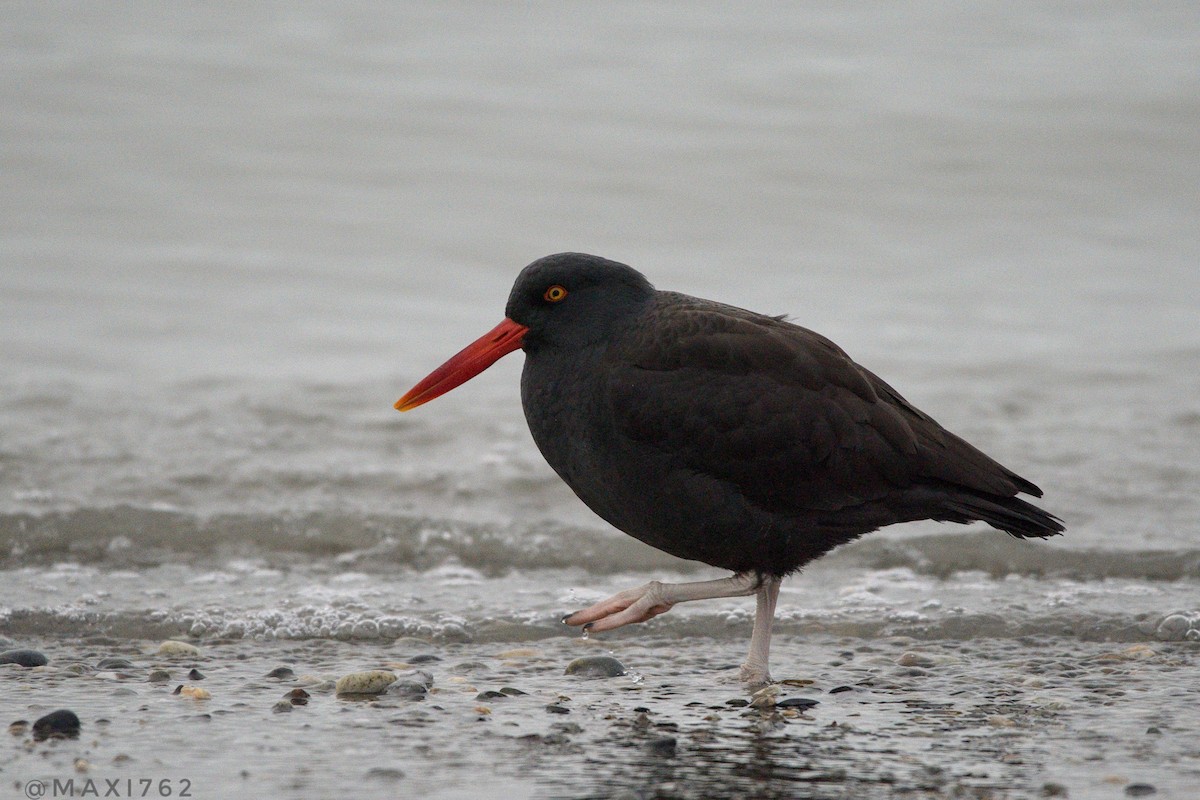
column 721, row 435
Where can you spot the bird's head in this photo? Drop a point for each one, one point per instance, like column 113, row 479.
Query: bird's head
column 567, row 300
column 574, row 300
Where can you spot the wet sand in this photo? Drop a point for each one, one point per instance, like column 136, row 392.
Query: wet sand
column 894, row 717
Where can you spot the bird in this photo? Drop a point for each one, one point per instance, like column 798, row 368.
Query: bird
column 721, row 435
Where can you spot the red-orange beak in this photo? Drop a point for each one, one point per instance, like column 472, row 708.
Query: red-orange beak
column 469, row 362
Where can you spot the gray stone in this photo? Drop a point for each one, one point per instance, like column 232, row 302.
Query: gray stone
column 596, row 667
column 797, row 702
column 62, row 724
column 25, row 658
column 415, row 684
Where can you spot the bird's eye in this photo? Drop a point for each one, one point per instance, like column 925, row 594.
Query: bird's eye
column 554, row 294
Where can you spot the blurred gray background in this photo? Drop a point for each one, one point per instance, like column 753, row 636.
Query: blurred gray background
column 994, row 206
column 207, row 187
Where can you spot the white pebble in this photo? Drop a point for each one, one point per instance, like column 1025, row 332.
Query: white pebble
column 369, row 682
column 171, row 647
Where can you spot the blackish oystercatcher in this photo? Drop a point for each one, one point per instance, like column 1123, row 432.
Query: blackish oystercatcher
column 722, row 435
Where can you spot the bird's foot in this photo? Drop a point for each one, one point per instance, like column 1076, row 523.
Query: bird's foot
column 645, row 602
column 623, row 608
column 755, row 676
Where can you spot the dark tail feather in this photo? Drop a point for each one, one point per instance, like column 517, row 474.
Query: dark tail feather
column 1009, row 514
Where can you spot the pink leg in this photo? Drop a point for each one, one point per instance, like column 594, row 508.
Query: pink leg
column 645, row 602
column 755, row 671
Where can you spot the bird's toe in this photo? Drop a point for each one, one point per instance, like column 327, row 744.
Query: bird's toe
column 623, row 608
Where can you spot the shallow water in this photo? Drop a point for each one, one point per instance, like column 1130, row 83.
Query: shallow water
column 232, row 236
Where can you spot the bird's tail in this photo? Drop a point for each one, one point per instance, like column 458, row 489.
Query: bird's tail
column 1009, row 514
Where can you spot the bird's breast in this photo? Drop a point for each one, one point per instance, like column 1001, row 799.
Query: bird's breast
column 637, row 488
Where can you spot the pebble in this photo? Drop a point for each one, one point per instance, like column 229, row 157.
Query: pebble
column 1140, row 790
column 914, row 659
column 195, row 675
column 159, row 676
column 308, row 679
column 24, row 658
column 424, row 658
column 385, row 773
column 114, row 663
column 798, row 702
column 1137, row 652
column 173, row 647
column 282, row 707
column 281, row 673
column 408, row 689
column 662, row 746
column 511, row 691
column 373, row 681
column 765, row 697
column 194, row 692
column 19, row 727
column 555, row 708
column 414, row 684
column 490, row 695
column 596, row 667
column 62, row 724
column 1173, row 628
column 520, row 652
column 297, row 697
column 1053, row 790
column 840, row 689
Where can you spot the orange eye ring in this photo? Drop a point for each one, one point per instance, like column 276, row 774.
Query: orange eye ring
column 554, row 294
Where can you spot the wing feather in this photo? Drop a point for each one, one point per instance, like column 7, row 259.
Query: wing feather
column 780, row 412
